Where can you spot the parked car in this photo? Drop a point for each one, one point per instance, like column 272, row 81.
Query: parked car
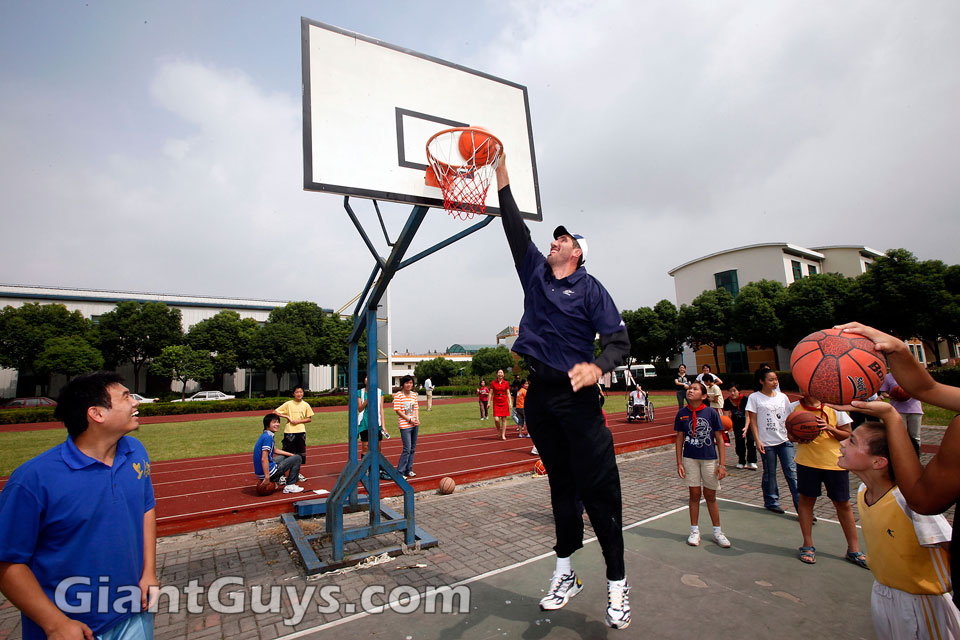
column 29, row 403
column 142, row 400
column 202, row 396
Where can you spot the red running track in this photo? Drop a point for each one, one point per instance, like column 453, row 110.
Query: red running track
column 200, row 493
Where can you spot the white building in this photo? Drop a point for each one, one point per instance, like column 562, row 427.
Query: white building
column 93, row 303
column 779, row 261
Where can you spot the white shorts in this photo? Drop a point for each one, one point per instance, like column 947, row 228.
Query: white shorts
column 898, row 615
column 701, row 473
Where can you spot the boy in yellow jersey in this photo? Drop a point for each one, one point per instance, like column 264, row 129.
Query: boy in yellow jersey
column 298, row 413
column 908, row 551
column 817, row 467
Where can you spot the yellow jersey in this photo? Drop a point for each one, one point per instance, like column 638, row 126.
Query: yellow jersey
column 903, row 547
column 295, row 410
column 822, row 452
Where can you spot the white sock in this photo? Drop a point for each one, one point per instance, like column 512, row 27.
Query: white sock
column 717, row 531
column 694, row 528
column 563, row 567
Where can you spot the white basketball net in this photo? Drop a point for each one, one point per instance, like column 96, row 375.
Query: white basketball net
column 463, row 181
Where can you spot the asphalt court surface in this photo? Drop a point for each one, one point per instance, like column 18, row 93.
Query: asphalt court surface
column 756, row 588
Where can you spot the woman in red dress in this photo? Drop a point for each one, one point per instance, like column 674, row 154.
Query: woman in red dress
column 483, row 393
column 501, row 404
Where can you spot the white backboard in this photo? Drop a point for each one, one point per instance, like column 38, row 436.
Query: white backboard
column 369, row 108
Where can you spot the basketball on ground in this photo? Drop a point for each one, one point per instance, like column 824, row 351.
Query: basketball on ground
column 539, row 469
column 265, row 487
column 837, row 368
column 727, row 422
column 802, row 426
column 477, row 147
column 447, row 485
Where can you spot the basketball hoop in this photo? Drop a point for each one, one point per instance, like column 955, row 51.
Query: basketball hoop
column 462, row 163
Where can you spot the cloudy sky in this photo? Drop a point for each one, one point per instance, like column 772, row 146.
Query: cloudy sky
column 157, row 146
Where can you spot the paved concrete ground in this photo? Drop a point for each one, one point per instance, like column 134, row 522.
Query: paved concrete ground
column 502, row 531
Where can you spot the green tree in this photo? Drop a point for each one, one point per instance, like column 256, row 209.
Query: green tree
column 706, row 321
column 182, row 363
column 439, row 370
column 226, row 337
column 25, row 330
column 911, row 298
column 814, row 303
column 282, row 348
column 753, row 319
column 654, row 335
column 488, row 360
column 69, row 355
column 137, row 332
column 332, row 344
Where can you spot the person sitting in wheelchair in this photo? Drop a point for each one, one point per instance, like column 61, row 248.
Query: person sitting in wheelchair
column 637, row 404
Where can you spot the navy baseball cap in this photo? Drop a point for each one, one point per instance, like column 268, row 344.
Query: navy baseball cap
column 562, row 231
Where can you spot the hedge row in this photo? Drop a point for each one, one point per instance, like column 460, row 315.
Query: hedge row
column 45, row 414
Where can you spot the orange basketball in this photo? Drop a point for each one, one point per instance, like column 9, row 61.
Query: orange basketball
column 476, row 147
column 802, row 426
column 898, row 394
column 837, row 367
column 539, row 469
column 727, row 422
column 265, row 487
column 447, row 485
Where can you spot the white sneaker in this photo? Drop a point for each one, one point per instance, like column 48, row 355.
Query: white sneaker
column 740, row 466
column 752, row 465
column 721, row 540
column 301, row 477
column 292, row 488
column 534, row 452
column 282, row 481
column 693, row 539
column 562, row 588
column 618, row 607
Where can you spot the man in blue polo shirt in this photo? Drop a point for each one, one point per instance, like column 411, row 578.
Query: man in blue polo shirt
column 564, row 308
column 78, row 522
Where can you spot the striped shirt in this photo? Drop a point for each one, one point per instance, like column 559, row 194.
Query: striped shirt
column 406, row 407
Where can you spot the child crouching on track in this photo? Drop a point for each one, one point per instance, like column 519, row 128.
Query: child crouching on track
column 907, row 551
column 701, row 460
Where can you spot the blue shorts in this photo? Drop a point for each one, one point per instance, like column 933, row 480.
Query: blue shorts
column 836, row 481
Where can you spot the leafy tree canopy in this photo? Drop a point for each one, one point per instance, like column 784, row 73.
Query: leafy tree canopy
column 439, row 370
column 136, row 332
column 69, row 355
column 488, row 360
column 706, row 321
column 181, row 362
column 25, row 330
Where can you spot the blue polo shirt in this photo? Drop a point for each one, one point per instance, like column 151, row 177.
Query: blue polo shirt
column 562, row 317
column 264, row 442
column 78, row 525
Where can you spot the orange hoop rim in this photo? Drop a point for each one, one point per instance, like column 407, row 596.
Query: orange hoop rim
column 460, row 130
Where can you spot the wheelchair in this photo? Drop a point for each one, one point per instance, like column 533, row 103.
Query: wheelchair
column 640, row 412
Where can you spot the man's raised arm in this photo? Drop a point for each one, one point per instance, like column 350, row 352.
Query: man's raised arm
column 518, row 235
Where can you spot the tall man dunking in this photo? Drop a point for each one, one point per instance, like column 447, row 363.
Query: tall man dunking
column 564, row 309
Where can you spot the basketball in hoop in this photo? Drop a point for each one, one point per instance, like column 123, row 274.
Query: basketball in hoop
column 462, row 162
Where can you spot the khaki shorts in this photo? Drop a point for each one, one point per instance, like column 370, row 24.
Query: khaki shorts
column 701, row 473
